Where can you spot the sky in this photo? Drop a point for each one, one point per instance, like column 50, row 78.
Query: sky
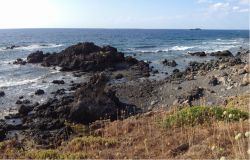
column 151, row 14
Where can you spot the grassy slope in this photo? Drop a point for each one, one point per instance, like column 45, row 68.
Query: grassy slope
column 148, row 136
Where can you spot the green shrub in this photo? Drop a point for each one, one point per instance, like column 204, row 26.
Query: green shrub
column 43, row 154
column 54, row 154
column 199, row 115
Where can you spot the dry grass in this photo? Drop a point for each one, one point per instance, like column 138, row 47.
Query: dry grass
column 144, row 136
column 241, row 102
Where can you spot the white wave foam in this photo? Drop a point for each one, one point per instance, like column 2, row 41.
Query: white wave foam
column 33, row 47
column 160, row 50
column 181, row 48
column 11, row 83
column 38, row 46
column 2, row 49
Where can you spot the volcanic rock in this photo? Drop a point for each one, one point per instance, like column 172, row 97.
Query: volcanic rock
column 36, row 57
column 93, row 102
column 2, row 94
column 170, row 63
column 225, row 53
column 200, row 54
column 19, row 61
column 39, row 92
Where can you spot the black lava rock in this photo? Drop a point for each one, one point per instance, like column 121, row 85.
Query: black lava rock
column 39, row 92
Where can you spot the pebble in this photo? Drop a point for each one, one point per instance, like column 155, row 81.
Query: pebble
column 153, row 103
column 246, row 68
column 242, row 71
column 222, row 67
column 178, row 88
column 230, row 87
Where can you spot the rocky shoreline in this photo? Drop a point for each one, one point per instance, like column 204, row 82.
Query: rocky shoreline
column 119, row 87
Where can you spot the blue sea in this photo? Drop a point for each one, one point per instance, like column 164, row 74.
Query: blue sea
column 148, row 45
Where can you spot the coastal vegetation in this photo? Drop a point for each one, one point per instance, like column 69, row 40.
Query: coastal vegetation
column 189, row 132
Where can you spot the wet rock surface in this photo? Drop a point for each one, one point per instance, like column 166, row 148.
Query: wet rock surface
column 11, row 47
column 19, row 61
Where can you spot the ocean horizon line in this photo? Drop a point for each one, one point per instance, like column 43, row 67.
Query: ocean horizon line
column 78, row 28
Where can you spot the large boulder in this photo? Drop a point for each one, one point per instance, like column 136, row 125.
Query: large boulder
column 36, row 57
column 58, row 81
column 39, row 92
column 25, row 109
column 86, row 57
column 199, row 54
column 225, row 53
column 170, row 63
column 93, row 102
column 2, row 94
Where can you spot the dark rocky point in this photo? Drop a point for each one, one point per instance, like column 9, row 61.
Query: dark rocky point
column 225, row 53
column 88, row 57
column 36, row 57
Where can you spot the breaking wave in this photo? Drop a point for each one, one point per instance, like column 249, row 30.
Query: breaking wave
column 31, row 47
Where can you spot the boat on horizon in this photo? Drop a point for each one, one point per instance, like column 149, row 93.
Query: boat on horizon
column 196, row 29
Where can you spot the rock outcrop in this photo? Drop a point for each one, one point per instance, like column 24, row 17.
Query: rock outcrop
column 225, row 53
column 199, row 54
column 36, row 57
column 170, row 63
column 93, row 102
column 88, row 57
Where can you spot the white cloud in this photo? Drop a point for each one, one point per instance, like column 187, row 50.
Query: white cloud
column 220, row 6
column 244, row 10
column 222, row 9
column 240, row 10
column 236, row 8
column 244, row 1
